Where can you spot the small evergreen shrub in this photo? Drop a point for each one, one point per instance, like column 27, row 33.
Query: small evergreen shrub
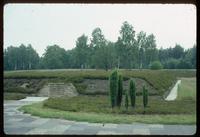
column 132, row 92
column 120, row 90
column 145, row 97
column 126, row 100
column 113, row 87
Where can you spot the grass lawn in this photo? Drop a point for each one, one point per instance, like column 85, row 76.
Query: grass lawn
column 13, row 96
column 38, row 109
column 16, row 93
column 187, row 89
column 101, row 104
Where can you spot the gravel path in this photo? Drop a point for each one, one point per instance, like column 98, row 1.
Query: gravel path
column 173, row 93
column 16, row 122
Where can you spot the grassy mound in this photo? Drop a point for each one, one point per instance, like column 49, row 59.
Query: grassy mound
column 97, row 109
column 184, row 104
column 161, row 80
column 187, row 89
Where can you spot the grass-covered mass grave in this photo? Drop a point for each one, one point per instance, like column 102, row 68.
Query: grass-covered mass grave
column 97, row 106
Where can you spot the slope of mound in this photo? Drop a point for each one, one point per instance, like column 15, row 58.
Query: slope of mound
column 161, row 80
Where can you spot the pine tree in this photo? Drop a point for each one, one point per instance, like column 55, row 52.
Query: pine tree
column 126, row 100
column 145, row 97
column 119, row 91
column 132, row 92
column 113, row 87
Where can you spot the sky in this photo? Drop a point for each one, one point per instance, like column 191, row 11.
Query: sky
column 47, row 24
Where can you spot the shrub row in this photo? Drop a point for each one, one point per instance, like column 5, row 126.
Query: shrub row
column 116, row 88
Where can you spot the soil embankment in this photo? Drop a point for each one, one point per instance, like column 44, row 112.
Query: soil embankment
column 61, row 87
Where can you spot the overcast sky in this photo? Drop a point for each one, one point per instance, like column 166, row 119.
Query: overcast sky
column 47, row 24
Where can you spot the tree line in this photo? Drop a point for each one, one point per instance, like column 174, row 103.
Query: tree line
column 130, row 51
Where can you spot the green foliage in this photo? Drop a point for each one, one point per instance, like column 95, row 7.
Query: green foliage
column 82, row 52
column 178, row 51
column 120, row 90
column 156, row 65
column 55, row 57
column 22, row 57
column 145, row 97
column 127, row 52
column 177, row 58
column 101, row 51
column 113, row 87
column 126, row 47
column 172, row 63
column 126, row 100
column 132, row 92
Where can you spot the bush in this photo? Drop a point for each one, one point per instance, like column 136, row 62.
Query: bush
column 132, row 92
column 172, row 63
column 156, row 65
column 119, row 91
column 126, row 100
column 113, row 87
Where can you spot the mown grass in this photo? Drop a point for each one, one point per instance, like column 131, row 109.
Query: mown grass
column 187, row 89
column 161, row 80
column 184, row 104
column 101, row 104
column 39, row 110
column 16, row 93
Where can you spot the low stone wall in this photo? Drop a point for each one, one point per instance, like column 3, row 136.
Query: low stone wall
column 58, row 90
column 58, row 87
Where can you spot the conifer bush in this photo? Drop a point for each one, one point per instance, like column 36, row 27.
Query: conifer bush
column 147, row 94
column 126, row 100
column 113, row 87
column 132, row 92
column 145, row 97
column 120, row 90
